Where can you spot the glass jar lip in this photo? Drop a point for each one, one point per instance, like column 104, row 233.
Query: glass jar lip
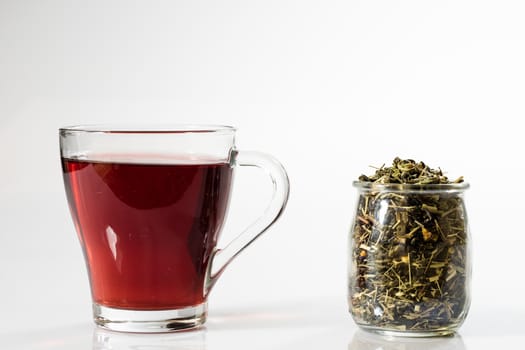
column 150, row 128
column 372, row 186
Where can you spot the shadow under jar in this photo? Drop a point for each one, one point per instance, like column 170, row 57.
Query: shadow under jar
column 409, row 262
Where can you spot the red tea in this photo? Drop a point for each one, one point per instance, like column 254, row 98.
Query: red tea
column 147, row 230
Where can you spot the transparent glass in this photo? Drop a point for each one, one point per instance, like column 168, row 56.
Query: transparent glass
column 148, row 204
column 409, row 259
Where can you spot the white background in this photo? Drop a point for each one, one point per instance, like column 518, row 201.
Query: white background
column 328, row 87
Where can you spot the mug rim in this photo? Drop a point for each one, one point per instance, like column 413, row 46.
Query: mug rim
column 149, row 128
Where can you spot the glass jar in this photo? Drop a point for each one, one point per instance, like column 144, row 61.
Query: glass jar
column 409, row 262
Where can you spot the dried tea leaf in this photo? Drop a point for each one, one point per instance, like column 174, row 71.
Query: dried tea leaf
column 408, row 171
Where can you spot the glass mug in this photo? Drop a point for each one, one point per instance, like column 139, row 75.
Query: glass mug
column 148, row 206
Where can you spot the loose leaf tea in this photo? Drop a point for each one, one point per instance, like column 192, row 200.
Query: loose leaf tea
column 409, row 265
column 407, row 171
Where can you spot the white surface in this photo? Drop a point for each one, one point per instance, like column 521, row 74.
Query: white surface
column 328, row 87
column 317, row 323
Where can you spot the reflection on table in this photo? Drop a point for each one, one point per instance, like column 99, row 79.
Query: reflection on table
column 185, row 340
column 363, row 340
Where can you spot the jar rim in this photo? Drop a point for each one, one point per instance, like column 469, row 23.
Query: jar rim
column 396, row 187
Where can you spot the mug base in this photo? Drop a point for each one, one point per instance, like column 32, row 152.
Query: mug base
column 149, row 321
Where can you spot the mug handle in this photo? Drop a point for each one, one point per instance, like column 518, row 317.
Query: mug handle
column 221, row 257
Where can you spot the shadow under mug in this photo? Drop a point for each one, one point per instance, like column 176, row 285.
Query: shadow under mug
column 148, row 205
